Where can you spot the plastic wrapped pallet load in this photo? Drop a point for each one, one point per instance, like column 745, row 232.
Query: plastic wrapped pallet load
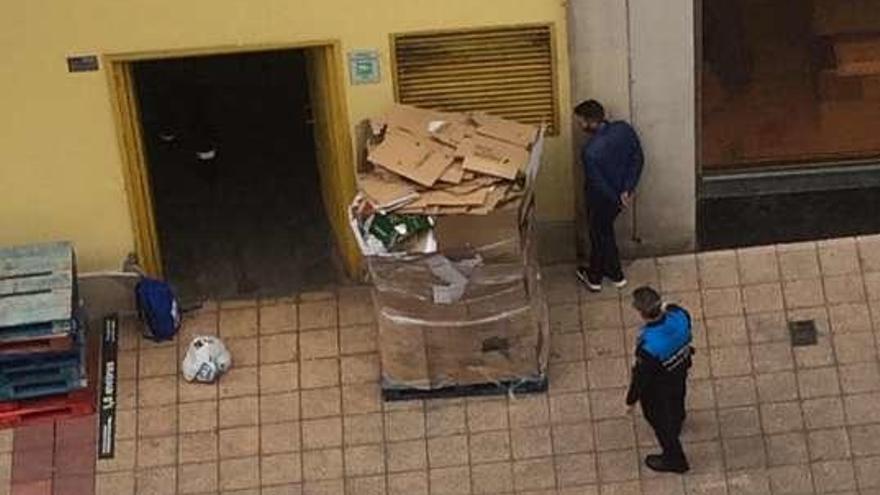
column 460, row 308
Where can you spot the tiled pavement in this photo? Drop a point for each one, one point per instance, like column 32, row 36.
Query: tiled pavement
column 300, row 412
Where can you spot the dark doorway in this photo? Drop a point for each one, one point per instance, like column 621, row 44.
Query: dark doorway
column 231, row 158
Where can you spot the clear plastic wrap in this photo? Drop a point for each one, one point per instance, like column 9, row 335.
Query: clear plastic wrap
column 472, row 313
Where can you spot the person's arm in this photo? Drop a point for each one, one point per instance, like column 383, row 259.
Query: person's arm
column 635, row 165
column 595, row 180
column 642, row 374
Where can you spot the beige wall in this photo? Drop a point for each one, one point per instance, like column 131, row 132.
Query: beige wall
column 60, row 169
column 637, row 57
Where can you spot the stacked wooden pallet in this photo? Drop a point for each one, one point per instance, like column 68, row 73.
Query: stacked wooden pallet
column 42, row 337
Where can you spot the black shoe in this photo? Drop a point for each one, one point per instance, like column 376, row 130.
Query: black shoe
column 657, row 463
column 592, row 284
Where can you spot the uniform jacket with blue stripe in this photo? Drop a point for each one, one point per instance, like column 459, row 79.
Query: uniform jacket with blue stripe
column 663, row 351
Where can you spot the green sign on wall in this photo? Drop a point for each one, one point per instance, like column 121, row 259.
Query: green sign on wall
column 363, row 66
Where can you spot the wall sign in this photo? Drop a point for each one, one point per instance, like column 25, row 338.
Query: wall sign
column 82, row 63
column 363, row 66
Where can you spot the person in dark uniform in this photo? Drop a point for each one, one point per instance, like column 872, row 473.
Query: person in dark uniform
column 659, row 376
column 612, row 159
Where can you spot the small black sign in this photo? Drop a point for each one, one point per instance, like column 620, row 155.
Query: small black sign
column 82, row 63
column 107, row 425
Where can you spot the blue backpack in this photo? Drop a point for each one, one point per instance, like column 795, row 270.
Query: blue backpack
column 158, row 309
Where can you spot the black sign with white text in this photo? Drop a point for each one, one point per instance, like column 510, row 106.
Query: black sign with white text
column 109, row 344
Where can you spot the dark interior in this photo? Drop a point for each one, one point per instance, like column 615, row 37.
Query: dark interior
column 789, row 82
column 249, row 222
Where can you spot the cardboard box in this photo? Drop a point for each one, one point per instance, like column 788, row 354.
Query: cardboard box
column 496, row 332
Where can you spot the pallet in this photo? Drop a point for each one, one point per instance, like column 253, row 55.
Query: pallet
column 531, row 386
column 40, row 383
column 37, row 362
column 17, row 413
column 53, row 344
column 37, row 284
column 47, row 409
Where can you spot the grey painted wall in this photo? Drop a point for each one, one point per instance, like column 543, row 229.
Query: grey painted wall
column 637, row 58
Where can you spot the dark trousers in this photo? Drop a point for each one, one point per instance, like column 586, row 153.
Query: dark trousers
column 664, row 408
column 604, row 258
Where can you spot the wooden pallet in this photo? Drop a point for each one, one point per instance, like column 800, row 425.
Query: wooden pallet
column 37, row 285
column 51, row 408
column 51, row 344
column 74, row 403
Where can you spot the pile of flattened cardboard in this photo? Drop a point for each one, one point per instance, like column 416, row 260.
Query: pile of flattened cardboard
column 424, row 162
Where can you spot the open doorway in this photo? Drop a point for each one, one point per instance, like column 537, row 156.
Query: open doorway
column 241, row 196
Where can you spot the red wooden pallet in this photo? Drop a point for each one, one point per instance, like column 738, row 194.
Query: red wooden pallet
column 51, row 408
column 51, row 343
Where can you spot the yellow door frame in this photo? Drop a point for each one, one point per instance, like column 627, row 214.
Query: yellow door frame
column 332, row 135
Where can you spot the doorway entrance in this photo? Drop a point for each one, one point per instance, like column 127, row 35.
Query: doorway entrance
column 237, row 181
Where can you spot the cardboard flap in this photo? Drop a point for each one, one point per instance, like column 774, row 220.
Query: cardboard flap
column 444, row 198
column 414, row 120
column 386, row 191
column 411, row 158
column 506, row 130
column 450, row 133
column 453, row 174
column 492, row 157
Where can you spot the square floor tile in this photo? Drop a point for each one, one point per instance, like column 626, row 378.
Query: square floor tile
column 239, row 442
column 448, row 451
column 238, row 474
column 781, row 417
column 492, row 478
column 829, row 445
column 576, row 470
column 322, row 433
column 620, row 465
column 411, row 483
column 531, row 442
column 278, row 348
column 487, row 415
column 363, row 428
column 406, row 456
column 573, row 438
column 534, row 474
column 490, row 446
column 279, row 408
column 744, row 453
column 280, row 468
column 239, row 411
column 786, row 449
column 198, row 478
column 157, row 481
column 277, row 438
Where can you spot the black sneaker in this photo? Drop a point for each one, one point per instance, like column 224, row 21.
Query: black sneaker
column 619, row 283
column 589, row 282
column 657, row 463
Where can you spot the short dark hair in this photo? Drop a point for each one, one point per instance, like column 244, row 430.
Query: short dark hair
column 590, row 110
column 647, row 302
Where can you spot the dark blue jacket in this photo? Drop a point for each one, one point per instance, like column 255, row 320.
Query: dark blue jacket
column 612, row 161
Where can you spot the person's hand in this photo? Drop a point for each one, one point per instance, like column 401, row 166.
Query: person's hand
column 625, row 199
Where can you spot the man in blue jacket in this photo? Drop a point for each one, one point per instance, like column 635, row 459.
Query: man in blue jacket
column 612, row 160
column 659, row 377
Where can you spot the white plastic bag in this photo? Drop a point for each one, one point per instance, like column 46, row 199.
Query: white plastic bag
column 206, row 359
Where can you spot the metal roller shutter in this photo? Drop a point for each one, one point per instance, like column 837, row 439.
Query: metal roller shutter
column 507, row 71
